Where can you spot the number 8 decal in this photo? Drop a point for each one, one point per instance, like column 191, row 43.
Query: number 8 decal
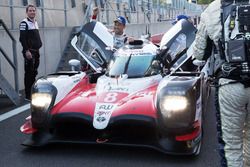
column 110, row 97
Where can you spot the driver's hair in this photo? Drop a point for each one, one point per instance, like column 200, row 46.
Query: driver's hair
column 30, row 6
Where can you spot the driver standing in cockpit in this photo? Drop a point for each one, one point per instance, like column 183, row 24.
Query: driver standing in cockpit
column 120, row 38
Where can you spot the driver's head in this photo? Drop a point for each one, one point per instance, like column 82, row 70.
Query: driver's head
column 119, row 25
column 31, row 11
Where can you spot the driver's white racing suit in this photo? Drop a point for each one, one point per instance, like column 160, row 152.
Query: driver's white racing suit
column 119, row 40
column 233, row 104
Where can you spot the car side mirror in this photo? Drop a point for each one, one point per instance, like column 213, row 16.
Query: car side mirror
column 74, row 64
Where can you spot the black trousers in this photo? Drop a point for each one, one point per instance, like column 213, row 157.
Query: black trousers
column 30, row 71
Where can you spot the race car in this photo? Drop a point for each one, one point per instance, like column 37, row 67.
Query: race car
column 139, row 95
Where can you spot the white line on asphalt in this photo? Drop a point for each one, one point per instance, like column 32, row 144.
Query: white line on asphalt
column 14, row 112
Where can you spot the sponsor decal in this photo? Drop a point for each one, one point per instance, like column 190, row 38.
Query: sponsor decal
column 100, row 113
column 144, row 93
column 77, row 80
column 103, row 112
column 198, row 109
column 134, row 52
column 100, row 119
column 118, row 89
column 106, row 107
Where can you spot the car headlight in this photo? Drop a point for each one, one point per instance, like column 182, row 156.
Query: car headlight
column 41, row 100
column 40, row 103
column 170, row 105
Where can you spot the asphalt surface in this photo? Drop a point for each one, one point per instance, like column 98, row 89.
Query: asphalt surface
column 13, row 154
column 6, row 104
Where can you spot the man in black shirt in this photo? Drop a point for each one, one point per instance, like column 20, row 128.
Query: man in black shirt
column 31, row 42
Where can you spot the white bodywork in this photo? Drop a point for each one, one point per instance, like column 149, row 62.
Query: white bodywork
column 113, row 86
column 132, row 85
column 64, row 84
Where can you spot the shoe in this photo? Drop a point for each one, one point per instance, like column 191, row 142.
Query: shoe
column 28, row 100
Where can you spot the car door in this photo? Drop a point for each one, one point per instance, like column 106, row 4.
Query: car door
column 176, row 42
column 91, row 42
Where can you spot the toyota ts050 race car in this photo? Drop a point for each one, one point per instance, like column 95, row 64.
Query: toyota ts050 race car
column 139, row 95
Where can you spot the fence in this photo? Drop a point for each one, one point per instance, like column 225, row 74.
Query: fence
column 69, row 13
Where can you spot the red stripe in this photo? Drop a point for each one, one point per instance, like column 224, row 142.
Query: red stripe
column 195, row 133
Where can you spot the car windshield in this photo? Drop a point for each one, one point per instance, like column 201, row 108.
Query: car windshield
column 134, row 65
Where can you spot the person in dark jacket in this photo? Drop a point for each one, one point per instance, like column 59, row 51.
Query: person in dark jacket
column 31, row 43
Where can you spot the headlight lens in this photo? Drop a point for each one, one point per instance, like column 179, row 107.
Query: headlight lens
column 173, row 104
column 41, row 100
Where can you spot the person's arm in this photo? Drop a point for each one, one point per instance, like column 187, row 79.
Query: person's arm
column 200, row 40
column 23, row 27
column 94, row 14
column 129, row 39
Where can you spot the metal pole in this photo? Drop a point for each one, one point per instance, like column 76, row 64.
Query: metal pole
column 137, row 12
column 11, row 14
column 16, row 66
column 158, row 11
column 42, row 13
column 107, row 13
column 144, row 13
column 65, row 13
column 148, row 12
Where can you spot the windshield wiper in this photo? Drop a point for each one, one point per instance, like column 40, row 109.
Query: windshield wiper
column 126, row 65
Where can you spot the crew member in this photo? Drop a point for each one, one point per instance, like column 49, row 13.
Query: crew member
column 31, row 43
column 232, row 94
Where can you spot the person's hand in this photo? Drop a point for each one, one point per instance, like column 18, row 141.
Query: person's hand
column 28, row 54
column 111, row 30
column 95, row 11
column 131, row 39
